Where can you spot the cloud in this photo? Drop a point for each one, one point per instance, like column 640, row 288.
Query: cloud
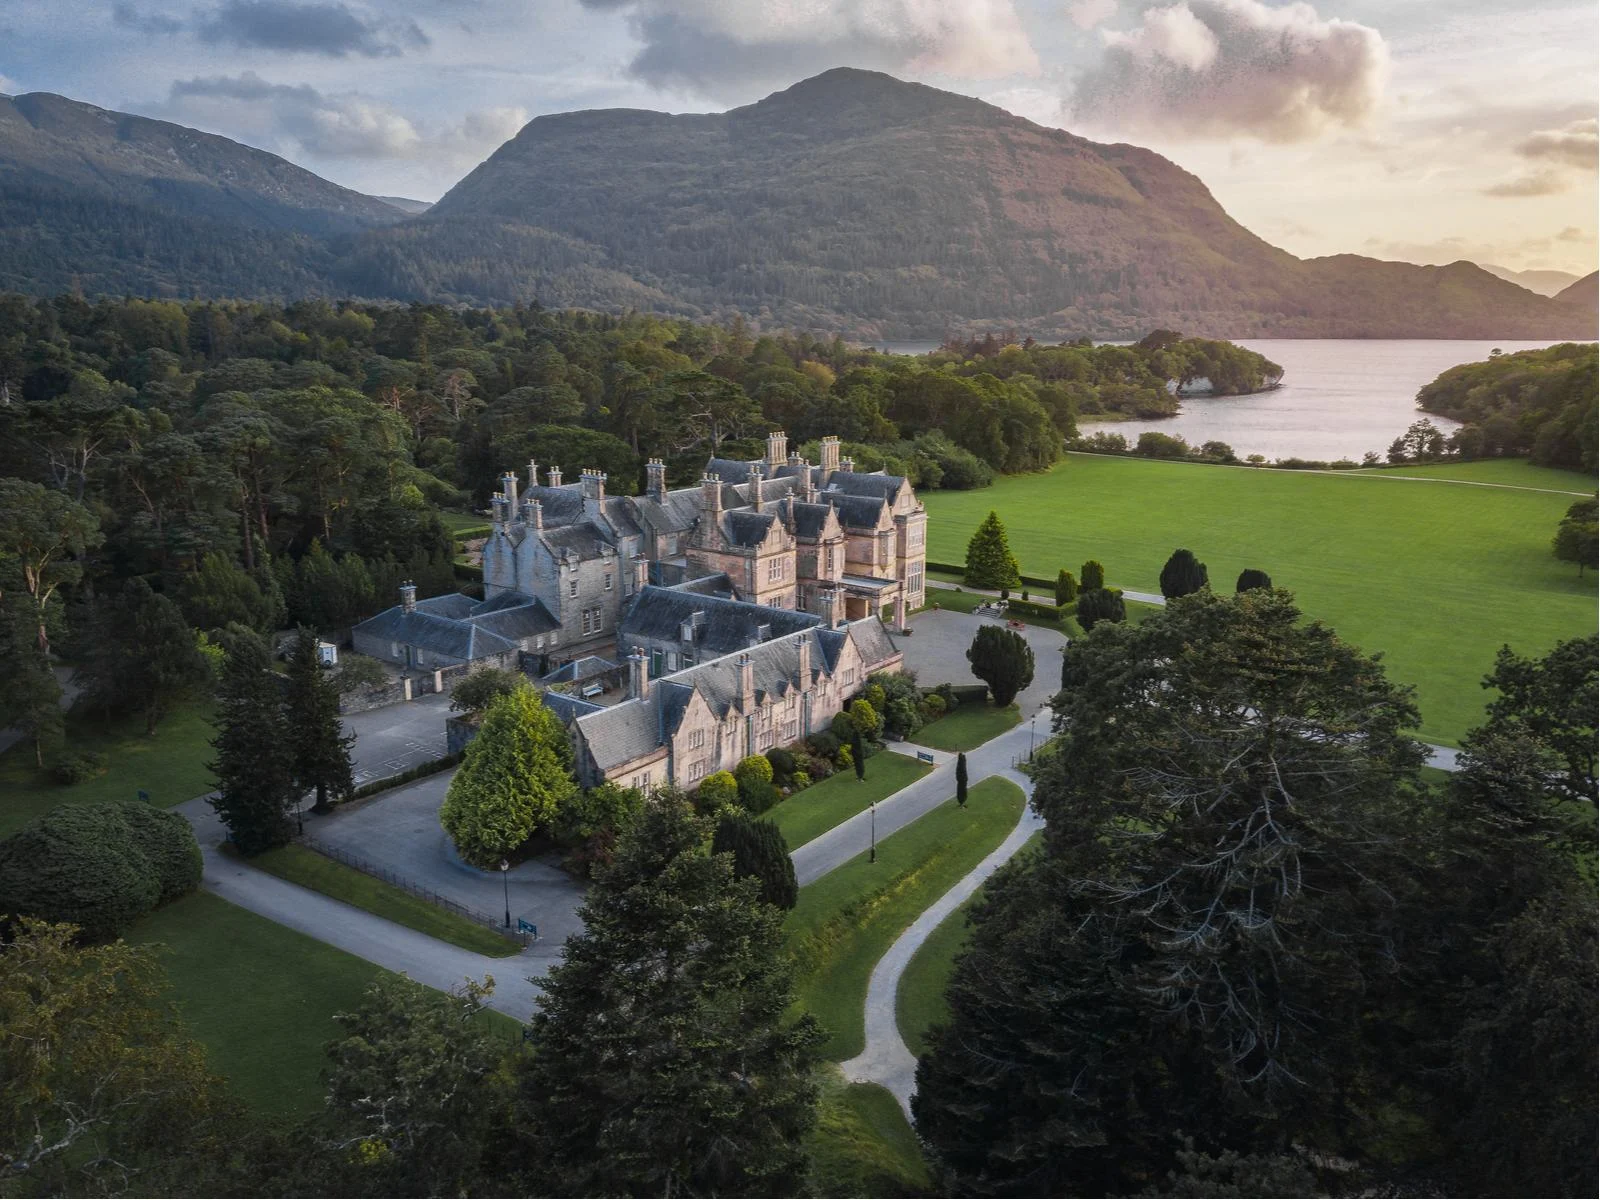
column 1086, row 14
column 295, row 120
column 1573, row 234
column 334, row 29
column 1575, row 145
column 735, row 51
column 1535, row 183
column 1216, row 68
column 129, row 17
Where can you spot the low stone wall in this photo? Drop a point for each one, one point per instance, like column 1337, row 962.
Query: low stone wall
column 422, row 683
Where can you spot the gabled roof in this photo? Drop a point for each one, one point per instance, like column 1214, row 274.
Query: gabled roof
column 451, row 604
column 729, row 470
column 863, row 483
column 873, row 641
column 569, row 708
column 581, row 670
column 673, row 513
column 857, row 512
column 810, row 520
column 745, row 527
column 620, row 515
column 459, row 639
column 558, row 506
column 525, row 620
column 623, row 733
column 584, row 538
column 724, row 626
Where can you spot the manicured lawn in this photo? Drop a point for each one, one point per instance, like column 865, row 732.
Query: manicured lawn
column 919, row 1004
column 821, row 806
column 312, row 870
column 1507, row 472
column 171, row 766
column 968, row 726
column 259, row 996
column 846, row 920
column 1435, row 576
column 965, row 601
column 455, row 522
column 863, row 1144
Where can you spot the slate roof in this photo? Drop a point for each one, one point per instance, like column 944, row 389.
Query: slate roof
column 858, row 512
column 451, row 604
column 525, row 620
column 464, row 640
column 673, row 513
column 658, row 614
column 809, row 520
column 745, row 527
column 862, row 483
column 620, row 515
column 583, row 538
column 729, row 470
column 873, row 640
column 558, row 506
column 623, row 733
column 581, row 670
column 569, row 708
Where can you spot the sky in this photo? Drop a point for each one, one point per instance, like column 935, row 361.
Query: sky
column 1406, row 129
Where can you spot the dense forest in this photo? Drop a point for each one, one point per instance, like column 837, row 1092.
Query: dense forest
column 1541, row 403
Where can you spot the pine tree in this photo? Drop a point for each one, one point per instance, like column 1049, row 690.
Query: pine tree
column 1183, row 575
column 1066, row 588
column 255, row 789
column 1091, row 576
column 664, row 1062
column 319, row 749
column 515, row 777
column 961, row 779
column 759, row 851
column 990, row 563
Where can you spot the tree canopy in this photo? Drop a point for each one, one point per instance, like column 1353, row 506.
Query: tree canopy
column 990, row 563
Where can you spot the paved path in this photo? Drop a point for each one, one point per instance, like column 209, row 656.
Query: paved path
column 886, row 1059
column 395, row 947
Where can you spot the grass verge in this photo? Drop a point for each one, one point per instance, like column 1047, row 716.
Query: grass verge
column 969, row 726
column 170, row 765
column 863, row 1145
column 1436, row 576
column 321, row 874
column 821, row 806
column 919, row 1003
column 846, row 920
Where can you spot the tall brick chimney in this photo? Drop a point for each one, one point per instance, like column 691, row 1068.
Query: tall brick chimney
column 756, row 499
column 830, row 457
column 641, row 573
column 638, row 676
column 711, row 493
column 777, row 448
column 655, row 479
column 533, row 472
column 802, row 644
column 594, row 486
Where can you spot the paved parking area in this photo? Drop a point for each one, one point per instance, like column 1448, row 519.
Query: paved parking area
column 399, row 831
column 937, row 652
column 398, row 736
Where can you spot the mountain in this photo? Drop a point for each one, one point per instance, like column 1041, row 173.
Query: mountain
column 1545, row 283
column 857, row 202
column 1584, row 294
column 850, row 202
column 111, row 202
column 410, row 207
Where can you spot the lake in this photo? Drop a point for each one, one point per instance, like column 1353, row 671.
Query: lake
column 1339, row 399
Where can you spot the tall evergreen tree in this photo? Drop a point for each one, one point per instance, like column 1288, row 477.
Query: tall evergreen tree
column 759, row 851
column 1250, row 578
column 961, row 779
column 664, row 1062
column 1066, row 588
column 1003, row 659
column 255, row 786
column 858, row 752
column 1091, row 576
column 318, row 746
column 1100, row 604
column 1183, row 575
column 990, row 563
column 143, row 654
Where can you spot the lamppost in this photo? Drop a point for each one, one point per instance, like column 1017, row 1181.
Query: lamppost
column 872, row 853
column 1033, row 723
column 505, row 883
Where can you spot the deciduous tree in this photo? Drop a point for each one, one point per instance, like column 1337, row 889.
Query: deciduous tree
column 48, row 534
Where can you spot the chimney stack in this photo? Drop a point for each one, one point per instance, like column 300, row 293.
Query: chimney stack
column 638, row 676
column 533, row 473
column 711, row 493
column 555, row 476
column 756, row 498
column 747, row 684
column 641, row 573
column 408, row 597
column 827, row 605
column 535, row 517
column 802, row 645
column 777, row 448
column 508, row 485
column 655, row 479
column 500, row 509
column 529, row 507
column 594, row 486
column 848, row 466
column 830, row 457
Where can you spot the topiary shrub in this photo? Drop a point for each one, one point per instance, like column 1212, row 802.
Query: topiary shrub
column 75, row 768
column 717, row 791
column 167, row 842
column 97, row 866
column 824, row 744
column 783, row 764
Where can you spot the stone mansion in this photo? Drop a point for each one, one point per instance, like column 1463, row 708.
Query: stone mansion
column 743, row 611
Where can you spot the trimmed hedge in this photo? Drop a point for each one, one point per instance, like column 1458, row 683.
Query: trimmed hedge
column 469, row 572
column 953, row 568
column 421, row 771
column 1045, row 612
column 961, row 693
column 98, row 866
column 1030, row 581
column 1048, row 585
column 472, row 531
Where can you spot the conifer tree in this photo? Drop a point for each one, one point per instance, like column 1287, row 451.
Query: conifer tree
column 961, row 779
column 319, row 748
column 664, row 1062
column 1100, row 604
column 990, row 563
column 1091, row 576
column 1250, row 579
column 1066, row 588
column 255, row 787
column 1003, row 659
column 759, row 851
column 516, row 775
column 1183, row 575
column 858, row 753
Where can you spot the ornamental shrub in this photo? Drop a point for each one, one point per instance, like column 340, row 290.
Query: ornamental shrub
column 865, row 719
column 1091, row 576
column 755, row 767
column 717, row 791
column 1251, row 579
column 1066, row 588
column 167, row 842
column 783, row 764
column 758, row 850
column 842, row 728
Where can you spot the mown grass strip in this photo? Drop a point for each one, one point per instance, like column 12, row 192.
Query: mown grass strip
column 862, row 1144
column 846, row 920
column 967, row 727
column 811, row 813
column 311, row 870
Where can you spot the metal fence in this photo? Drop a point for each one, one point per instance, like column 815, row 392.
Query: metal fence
column 356, row 862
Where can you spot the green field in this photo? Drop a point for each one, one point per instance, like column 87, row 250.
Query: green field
column 846, row 920
column 863, row 1144
column 259, row 996
column 821, row 806
column 969, row 726
column 1503, row 472
column 1433, row 574
column 312, row 870
column 171, row 766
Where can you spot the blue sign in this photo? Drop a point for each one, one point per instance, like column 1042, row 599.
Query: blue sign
column 924, row 756
column 525, row 927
